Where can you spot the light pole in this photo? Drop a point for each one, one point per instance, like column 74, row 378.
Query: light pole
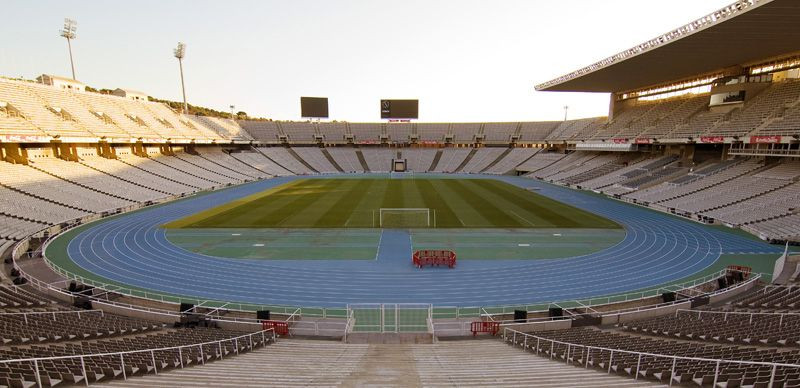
column 566, row 109
column 232, row 109
column 70, row 32
column 180, row 52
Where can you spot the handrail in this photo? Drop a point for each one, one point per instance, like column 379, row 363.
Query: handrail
column 273, row 337
column 53, row 313
column 297, row 312
column 751, row 314
column 633, row 310
column 644, row 294
column 730, row 312
column 151, row 310
column 675, row 358
column 79, row 312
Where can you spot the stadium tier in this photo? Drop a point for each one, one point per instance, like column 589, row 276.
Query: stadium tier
column 652, row 246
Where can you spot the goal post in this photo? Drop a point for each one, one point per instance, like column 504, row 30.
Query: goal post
column 406, row 218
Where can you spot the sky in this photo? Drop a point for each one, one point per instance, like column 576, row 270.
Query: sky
column 465, row 60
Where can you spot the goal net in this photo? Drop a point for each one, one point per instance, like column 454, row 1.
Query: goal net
column 406, row 218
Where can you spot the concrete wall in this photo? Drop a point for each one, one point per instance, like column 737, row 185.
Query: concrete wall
column 389, row 338
column 530, row 327
column 644, row 314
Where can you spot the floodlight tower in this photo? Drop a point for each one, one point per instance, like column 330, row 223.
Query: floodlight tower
column 566, row 109
column 180, row 52
column 232, row 109
column 70, row 32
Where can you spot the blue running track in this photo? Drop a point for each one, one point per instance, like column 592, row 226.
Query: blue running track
column 657, row 249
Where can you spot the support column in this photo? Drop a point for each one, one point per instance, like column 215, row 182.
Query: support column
column 65, row 151
column 13, row 153
column 105, row 150
column 166, row 149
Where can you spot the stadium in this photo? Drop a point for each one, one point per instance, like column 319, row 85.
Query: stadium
column 145, row 244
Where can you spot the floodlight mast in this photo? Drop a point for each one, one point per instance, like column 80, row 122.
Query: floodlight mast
column 233, row 107
column 566, row 109
column 70, row 32
column 180, row 52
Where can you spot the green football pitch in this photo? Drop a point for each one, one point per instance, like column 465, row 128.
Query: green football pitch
column 369, row 203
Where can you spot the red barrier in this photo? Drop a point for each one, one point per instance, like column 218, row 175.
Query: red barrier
column 281, row 327
column 434, row 257
column 485, row 327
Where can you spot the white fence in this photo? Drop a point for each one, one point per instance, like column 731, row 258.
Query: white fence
column 530, row 341
column 218, row 346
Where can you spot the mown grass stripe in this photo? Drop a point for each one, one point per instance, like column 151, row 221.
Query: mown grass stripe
column 190, row 221
column 302, row 198
column 493, row 214
column 433, row 199
column 313, row 212
column 351, row 203
column 343, row 207
column 464, row 214
column 235, row 217
column 547, row 208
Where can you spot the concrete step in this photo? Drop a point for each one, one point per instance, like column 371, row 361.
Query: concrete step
column 315, row 363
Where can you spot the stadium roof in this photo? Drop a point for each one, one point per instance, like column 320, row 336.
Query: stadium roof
column 743, row 32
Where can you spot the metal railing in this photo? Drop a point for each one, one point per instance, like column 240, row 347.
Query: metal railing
column 632, row 310
column 516, row 338
column 389, row 317
column 725, row 314
column 266, row 337
column 54, row 313
column 463, row 327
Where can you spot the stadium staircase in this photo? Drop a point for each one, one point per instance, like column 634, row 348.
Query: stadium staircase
column 226, row 168
column 332, row 160
column 181, row 170
column 264, row 154
column 312, row 363
column 32, row 165
column 436, row 160
column 361, row 160
column 301, row 160
column 499, row 158
column 226, row 174
column 159, row 175
column 466, row 160
column 28, row 193
column 123, row 179
column 248, row 164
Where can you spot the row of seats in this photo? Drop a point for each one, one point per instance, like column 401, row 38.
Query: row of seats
column 742, row 329
column 743, row 192
column 44, row 327
column 661, row 369
column 40, row 110
column 50, row 191
column 33, row 326
column 35, row 109
column 70, row 371
column 364, row 133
